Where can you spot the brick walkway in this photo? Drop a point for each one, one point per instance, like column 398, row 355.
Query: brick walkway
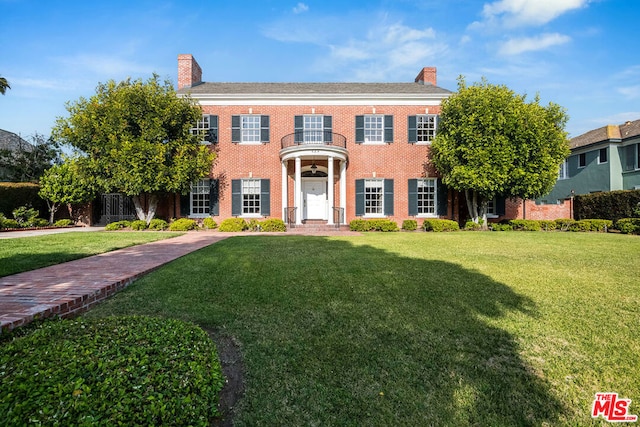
column 72, row 287
column 75, row 286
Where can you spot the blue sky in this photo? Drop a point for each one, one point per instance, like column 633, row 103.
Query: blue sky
column 581, row 54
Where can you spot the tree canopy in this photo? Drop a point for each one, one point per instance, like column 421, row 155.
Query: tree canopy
column 136, row 138
column 491, row 142
column 26, row 161
column 66, row 184
column 4, row 85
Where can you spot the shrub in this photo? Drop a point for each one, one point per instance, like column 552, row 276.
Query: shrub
column 63, row 223
column 253, row 225
column 39, row 222
column 500, row 227
column 25, row 216
column 133, row 370
column 439, row 225
column 381, row 224
column 582, row 225
column 158, row 224
column 273, row 224
column 600, row 225
column 409, row 224
column 16, row 194
column 10, row 223
column 547, row 224
column 525, row 224
column 233, row 225
column 138, row 225
column 209, row 223
column 611, row 205
column 470, row 225
column 118, row 225
column 563, row 224
column 183, row 224
column 628, row 225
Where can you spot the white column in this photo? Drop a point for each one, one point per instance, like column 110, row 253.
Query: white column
column 343, row 188
column 284, row 191
column 330, row 189
column 298, row 191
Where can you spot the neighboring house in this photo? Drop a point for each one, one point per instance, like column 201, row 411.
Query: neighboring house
column 318, row 152
column 603, row 159
column 10, row 143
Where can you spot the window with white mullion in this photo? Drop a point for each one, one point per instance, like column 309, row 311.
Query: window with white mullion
column 563, row 172
column 313, row 126
column 373, row 197
column 426, row 193
column 426, row 127
column 250, row 128
column 251, row 196
column 373, row 128
column 201, row 127
column 200, row 194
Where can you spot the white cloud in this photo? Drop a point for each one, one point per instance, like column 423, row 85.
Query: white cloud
column 103, row 65
column 514, row 13
column 300, row 8
column 527, row 44
column 631, row 92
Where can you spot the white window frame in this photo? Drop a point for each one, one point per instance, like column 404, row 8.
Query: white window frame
column 563, row 171
column 374, row 198
column 250, row 129
column 427, row 201
column 313, row 128
column 201, row 128
column 199, row 199
column 374, row 129
column 251, row 193
column 426, row 128
column 492, row 209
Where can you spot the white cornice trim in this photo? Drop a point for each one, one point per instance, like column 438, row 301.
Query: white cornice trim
column 318, row 99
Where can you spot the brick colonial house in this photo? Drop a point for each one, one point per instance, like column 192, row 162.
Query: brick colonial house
column 323, row 153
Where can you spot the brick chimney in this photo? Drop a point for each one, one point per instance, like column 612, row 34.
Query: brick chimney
column 189, row 72
column 427, row 76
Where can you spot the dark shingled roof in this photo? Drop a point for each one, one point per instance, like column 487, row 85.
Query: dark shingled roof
column 11, row 141
column 314, row 88
column 615, row 133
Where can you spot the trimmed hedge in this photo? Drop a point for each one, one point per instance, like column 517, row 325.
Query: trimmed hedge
column 373, row 225
column 158, row 224
column 16, row 194
column 495, row 226
column 273, row 224
column 598, row 225
column 409, row 225
column 439, row 225
column 183, row 224
column 63, row 223
column 563, row 224
column 118, row 225
column 628, row 225
column 472, row 226
column 525, row 225
column 138, row 225
column 612, row 205
column 133, row 370
column 209, row 223
column 233, row 225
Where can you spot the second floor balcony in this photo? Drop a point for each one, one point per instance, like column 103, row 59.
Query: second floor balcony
column 314, row 137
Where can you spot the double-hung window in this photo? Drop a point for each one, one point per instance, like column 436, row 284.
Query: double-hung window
column 374, row 129
column 313, row 127
column 373, row 197
column 426, row 196
column 207, row 129
column 250, row 196
column 250, row 129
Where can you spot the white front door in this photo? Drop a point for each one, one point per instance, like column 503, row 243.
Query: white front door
column 314, row 199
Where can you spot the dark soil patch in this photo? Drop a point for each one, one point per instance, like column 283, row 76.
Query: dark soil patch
column 233, row 370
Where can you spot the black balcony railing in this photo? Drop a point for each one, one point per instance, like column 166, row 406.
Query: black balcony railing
column 314, row 137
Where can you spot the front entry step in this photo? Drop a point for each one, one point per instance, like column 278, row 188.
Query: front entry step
column 309, row 225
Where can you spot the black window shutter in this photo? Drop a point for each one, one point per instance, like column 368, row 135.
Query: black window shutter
column 413, row 129
column 214, row 197
column 212, row 134
column 442, row 195
column 236, row 197
column 328, row 128
column 359, row 130
column 359, row 197
column 265, row 197
column 264, row 129
column 298, row 128
column 413, row 197
column 388, row 128
column 185, row 205
column 235, row 128
column 388, row 197
column 501, row 205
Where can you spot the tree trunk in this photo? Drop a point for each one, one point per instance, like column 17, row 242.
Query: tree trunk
column 148, row 215
column 137, row 203
column 472, row 204
column 52, row 210
column 153, row 205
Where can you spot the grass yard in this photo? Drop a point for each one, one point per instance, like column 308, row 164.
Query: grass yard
column 465, row 328
column 29, row 253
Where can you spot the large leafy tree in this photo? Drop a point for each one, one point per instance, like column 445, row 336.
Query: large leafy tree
column 492, row 142
column 66, row 184
column 136, row 138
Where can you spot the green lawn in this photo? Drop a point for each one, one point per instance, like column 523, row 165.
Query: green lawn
column 465, row 328
column 28, row 253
